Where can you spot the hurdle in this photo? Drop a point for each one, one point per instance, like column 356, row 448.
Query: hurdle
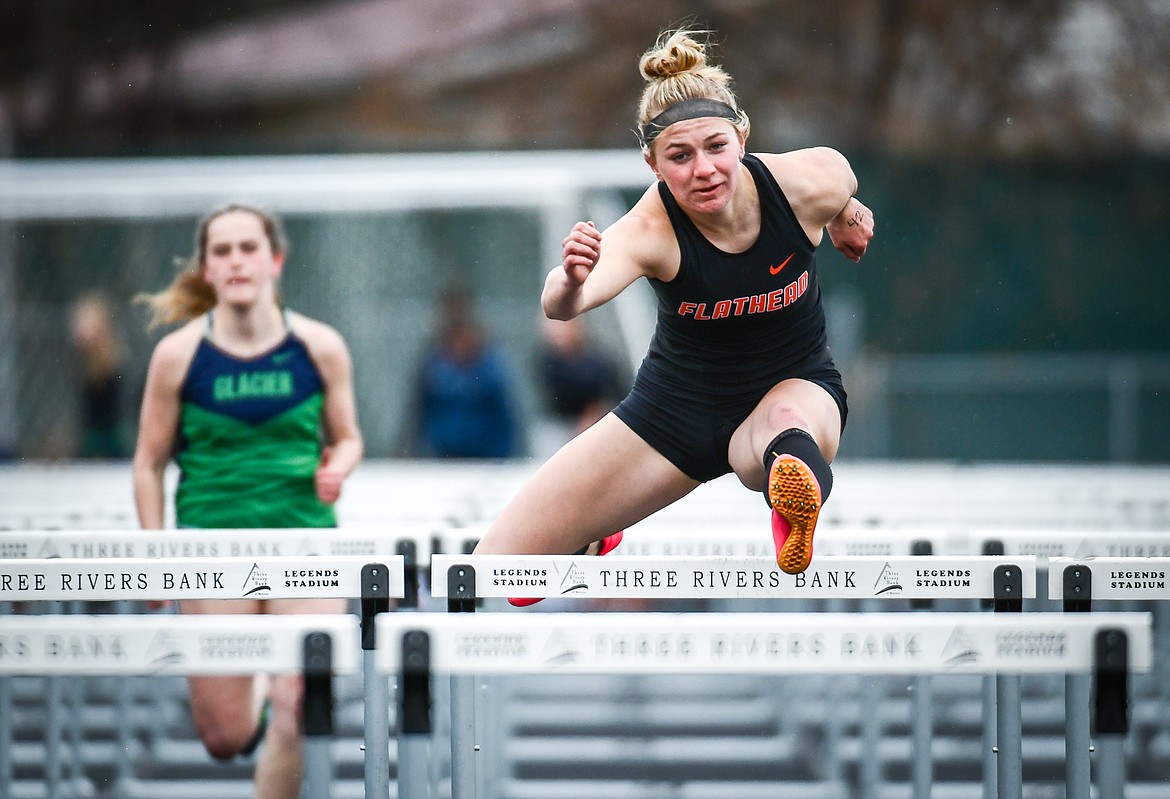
column 317, row 646
column 899, row 541
column 459, row 644
column 1005, row 581
column 273, row 577
column 1084, row 581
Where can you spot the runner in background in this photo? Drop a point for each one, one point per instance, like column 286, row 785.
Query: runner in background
column 256, row 405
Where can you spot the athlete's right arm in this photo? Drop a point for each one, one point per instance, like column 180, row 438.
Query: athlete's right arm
column 590, row 275
column 158, row 424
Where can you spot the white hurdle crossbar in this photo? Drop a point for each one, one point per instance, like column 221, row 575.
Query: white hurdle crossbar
column 169, row 645
column 659, row 539
column 412, row 543
column 469, row 577
column 318, row 646
column 417, row 646
column 760, row 643
column 123, row 579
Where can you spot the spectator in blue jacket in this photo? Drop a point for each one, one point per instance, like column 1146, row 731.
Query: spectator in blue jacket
column 463, row 398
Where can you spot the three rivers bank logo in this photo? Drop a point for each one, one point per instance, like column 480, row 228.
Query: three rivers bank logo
column 164, row 651
column 888, row 581
column 960, row 648
column 560, row 649
column 256, row 583
column 574, row 580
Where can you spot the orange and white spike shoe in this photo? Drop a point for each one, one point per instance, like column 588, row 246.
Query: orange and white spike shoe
column 605, row 546
column 795, row 498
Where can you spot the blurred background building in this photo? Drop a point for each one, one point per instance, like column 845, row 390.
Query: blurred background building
column 1014, row 305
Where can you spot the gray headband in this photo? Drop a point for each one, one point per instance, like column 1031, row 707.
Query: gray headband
column 687, row 109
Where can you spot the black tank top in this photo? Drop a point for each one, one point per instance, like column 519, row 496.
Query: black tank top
column 735, row 323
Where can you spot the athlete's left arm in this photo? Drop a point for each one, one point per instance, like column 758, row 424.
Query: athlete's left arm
column 343, row 438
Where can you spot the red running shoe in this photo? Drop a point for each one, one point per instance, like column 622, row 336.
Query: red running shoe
column 795, row 498
column 607, row 545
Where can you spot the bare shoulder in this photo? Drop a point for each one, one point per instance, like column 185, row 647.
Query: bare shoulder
column 646, row 235
column 176, row 349
column 818, row 181
column 325, row 344
column 171, row 359
column 809, row 169
column 806, row 160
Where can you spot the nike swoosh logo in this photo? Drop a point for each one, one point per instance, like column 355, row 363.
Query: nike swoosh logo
column 775, row 270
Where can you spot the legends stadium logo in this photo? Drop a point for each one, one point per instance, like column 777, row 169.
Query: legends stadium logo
column 520, row 578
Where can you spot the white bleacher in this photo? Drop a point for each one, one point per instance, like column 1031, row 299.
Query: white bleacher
column 649, row 737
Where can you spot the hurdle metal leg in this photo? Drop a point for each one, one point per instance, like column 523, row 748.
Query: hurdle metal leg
column 922, row 765
column 869, row 766
column 464, row 749
column 124, row 771
column 484, row 756
column 5, row 736
column 1111, row 711
column 834, row 736
column 75, row 699
column 414, row 753
column 414, row 716
column 464, row 746
column 1077, row 593
column 990, row 761
column 376, row 729
column 921, row 701
column 1161, row 671
column 53, row 736
column 1077, row 743
column 318, row 715
column 1009, row 741
column 1111, row 766
column 374, row 600
column 318, row 767
column 1009, row 749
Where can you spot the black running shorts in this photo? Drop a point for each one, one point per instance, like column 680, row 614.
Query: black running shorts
column 694, row 432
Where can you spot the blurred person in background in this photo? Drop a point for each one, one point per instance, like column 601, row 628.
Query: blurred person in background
column 463, row 397
column 102, row 355
column 738, row 376
column 579, row 383
column 256, row 404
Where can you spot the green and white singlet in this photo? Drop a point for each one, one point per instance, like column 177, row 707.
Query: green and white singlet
column 250, row 439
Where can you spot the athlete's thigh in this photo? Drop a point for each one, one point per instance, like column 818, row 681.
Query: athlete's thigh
column 602, row 481
column 221, row 607
column 316, row 607
column 790, row 403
